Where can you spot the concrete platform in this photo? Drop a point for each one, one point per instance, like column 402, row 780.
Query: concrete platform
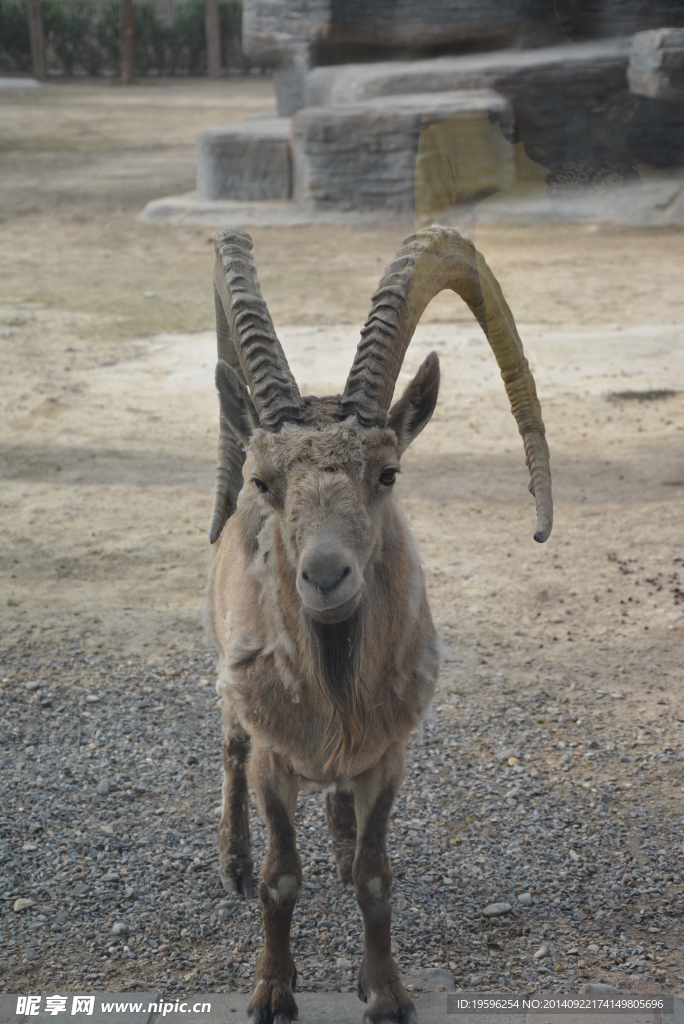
column 248, row 161
column 325, row 1008
column 384, row 153
column 655, row 202
column 191, row 208
column 314, row 1008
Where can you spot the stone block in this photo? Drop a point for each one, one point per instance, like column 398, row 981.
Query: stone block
column 246, row 161
column 414, row 152
column 656, row 64
column 585, row 68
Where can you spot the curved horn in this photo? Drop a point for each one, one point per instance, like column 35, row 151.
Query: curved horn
column 264, row 367
column 428, row 262
column 246, row 339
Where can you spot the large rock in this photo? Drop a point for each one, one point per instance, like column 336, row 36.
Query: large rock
column 571, row 103
column 574, row 113
column 583, row 67
column 247, row 161
column 656, row 64
column 421, row 152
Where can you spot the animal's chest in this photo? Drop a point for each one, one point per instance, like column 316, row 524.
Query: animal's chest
column 289, row 716
column 292, row 716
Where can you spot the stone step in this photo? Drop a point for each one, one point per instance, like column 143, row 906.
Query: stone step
column 399, row 152
column 582, row 66
column 247, row 161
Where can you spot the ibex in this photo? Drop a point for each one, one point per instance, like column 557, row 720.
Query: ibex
column 329, row 657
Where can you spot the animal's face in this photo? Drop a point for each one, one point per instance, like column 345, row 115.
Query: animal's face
column 328, row 486
column 328, row 480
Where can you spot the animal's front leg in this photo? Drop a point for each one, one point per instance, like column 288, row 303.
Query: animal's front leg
column 235, row 844
column 281, row 873
column 380, row 984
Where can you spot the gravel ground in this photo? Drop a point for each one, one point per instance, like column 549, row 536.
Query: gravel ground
column 522, row 794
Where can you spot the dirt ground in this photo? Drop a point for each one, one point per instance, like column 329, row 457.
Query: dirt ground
column 109, row 428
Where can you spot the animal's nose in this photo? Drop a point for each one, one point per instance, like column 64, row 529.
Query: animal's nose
column 325, row 570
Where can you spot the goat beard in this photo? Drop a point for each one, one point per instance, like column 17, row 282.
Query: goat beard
column 337, row 650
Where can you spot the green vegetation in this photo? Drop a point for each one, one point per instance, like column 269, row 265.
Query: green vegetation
column 82, row 38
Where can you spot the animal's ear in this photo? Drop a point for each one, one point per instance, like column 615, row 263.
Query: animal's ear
column 236, row 404
column 412, row 412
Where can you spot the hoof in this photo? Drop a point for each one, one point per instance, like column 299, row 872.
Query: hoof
column 238, row 882
column 390, row 1004
column 272, row 1003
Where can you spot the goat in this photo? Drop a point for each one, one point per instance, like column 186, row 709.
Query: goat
column 328, row 653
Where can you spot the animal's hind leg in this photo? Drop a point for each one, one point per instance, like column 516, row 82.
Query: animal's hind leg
column 341, row 818
column 235, row 843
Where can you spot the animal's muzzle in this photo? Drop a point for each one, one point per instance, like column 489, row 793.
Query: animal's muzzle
column 328, row 577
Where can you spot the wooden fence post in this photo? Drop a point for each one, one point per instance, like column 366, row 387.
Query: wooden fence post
column 37, row 38
column 213, row 29
column 127, row 43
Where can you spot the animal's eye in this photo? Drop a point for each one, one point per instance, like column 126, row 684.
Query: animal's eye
column 388, row 476
column 260, row 485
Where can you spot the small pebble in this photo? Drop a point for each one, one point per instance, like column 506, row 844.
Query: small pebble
column 541, row 953
column 120, row 928
column 32, row 684
column 525, row 898
column 23, row 904
column 497, row 909
column 103, row 787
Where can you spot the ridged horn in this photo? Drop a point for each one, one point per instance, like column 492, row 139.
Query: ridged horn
column 264, row 367
column 246, row 339
column 230, row 453
column 427, row 263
